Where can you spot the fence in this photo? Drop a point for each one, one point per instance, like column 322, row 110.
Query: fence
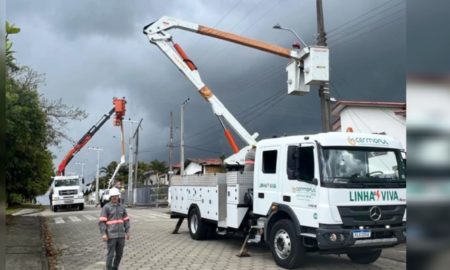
column 154, row 195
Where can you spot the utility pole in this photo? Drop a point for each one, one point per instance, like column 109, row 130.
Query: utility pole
column 130, row 162
column 171, row 148
column 182, row 137
column 324, row 88
column 97, row 190
column 136, row 134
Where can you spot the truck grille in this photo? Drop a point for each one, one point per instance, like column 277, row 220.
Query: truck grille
column 360, row 215
column 68, row 192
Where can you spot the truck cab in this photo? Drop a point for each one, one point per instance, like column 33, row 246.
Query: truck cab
column 341, row 192
column 67, row 192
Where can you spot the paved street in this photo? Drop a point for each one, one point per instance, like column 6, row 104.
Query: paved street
column 152, row 246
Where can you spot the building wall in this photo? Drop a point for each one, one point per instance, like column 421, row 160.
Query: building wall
column 213, row 169
column 374, row 120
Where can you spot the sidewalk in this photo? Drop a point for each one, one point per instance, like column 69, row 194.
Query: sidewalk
column 25, row 248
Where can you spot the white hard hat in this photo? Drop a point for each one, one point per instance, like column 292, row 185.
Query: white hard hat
column 114, row 192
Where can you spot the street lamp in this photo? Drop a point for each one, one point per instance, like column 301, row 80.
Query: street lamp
column 278, row 26
column 97, row 197
column 182, row 137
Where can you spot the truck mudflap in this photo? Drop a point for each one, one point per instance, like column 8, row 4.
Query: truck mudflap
column 335, row 237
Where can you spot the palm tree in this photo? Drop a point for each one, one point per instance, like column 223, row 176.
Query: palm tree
column 158, row 168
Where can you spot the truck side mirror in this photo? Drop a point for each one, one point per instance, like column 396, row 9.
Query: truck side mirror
column 314, row 181
column 82, row 180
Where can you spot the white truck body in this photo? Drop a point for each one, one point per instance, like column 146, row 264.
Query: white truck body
column 317, row 207
column 67, row 191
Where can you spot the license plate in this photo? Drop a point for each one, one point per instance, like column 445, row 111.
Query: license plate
column 361, row 234
column 68, row 201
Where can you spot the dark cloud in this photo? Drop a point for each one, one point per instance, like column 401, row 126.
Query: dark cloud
column 91, row 51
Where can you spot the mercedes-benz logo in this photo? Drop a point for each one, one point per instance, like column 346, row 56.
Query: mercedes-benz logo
column 375, row 213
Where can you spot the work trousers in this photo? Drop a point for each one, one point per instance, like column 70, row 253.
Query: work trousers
column 115, row 251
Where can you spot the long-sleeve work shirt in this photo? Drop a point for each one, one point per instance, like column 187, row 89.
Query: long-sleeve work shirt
column 114, row 220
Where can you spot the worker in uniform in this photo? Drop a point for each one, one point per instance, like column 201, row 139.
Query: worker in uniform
column 119, row 186
column 114, row 226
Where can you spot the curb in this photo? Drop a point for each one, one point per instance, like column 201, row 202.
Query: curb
column 27, row 213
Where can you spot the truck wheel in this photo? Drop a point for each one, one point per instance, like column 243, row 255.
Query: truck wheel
column 364, row 257
column 197, row 228
column 287, row 248
column 81, row 207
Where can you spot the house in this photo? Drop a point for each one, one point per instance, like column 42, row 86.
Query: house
column 371, row 117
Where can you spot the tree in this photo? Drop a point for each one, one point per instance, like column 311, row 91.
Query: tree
column 143, row 167
column 58, row 116
column 9, row 53
column 32, row 124
column 158, row 168
column 29, row 162
column 107, row 172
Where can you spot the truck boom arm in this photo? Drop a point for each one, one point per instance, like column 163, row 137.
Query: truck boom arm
column 119, row 109
column 156, row 33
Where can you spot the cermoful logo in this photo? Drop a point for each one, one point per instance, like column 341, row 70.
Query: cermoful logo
column 366, row 141
column 366, row 196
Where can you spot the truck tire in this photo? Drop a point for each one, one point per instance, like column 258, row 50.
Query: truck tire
column 197, row 228
column 287, row 247
column 81, row 207
column 364, row 257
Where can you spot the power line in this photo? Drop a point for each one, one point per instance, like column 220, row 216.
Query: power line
column 372, row 29
column 361, row 17
column 220, row 20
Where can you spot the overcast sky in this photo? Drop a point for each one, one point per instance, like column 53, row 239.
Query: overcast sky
column 91, row 51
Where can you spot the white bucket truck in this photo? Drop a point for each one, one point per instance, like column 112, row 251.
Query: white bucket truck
column 341, row 193
column 330, row 192
column 67, row 192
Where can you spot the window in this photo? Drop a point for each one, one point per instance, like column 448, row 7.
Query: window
column 300, row 163
column 306, row 163
column 292, row 163
column 362, row 165
column 269, row 161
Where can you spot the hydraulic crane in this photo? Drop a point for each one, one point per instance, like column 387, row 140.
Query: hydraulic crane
column 118, row 109
column 303, row 71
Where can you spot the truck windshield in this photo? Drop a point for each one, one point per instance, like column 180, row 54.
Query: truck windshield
column 66, row 182
column 363, row 166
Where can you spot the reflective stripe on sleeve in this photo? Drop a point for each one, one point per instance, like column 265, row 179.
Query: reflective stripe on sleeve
column 103, row 219
column 126, row 218
column 116, row 221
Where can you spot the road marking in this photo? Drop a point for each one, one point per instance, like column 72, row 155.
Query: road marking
column 74, row 219
column 160, row 215
column 59, row 220
column 89, row 217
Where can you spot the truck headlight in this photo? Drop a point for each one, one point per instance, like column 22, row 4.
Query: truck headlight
column 55, row 198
